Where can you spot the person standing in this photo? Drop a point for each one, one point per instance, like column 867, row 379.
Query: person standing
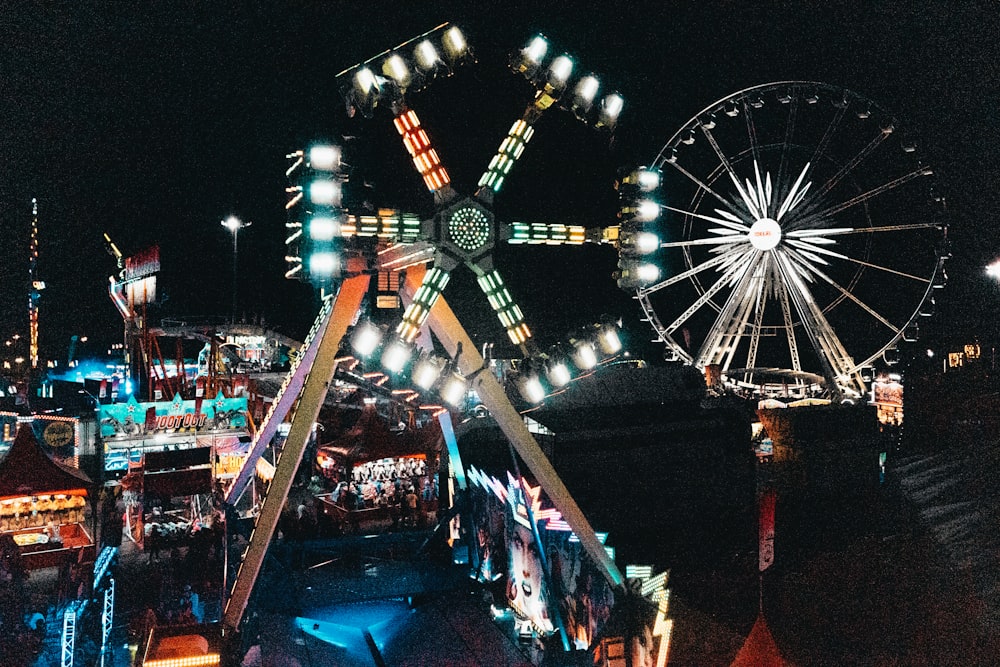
column 410, row 500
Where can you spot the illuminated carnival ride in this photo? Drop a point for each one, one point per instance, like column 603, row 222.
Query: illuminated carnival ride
column 338, row 251
column 801, row 237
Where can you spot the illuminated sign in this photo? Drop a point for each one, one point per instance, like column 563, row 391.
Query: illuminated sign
column 550, row 581
column 142, row 264
column 135, row 419
column 59, row 434
column 887, row 393
column 140, row 291
column 247, row 342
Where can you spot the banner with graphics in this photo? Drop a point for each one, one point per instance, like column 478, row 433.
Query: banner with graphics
column 521, row 539
column 132, row 418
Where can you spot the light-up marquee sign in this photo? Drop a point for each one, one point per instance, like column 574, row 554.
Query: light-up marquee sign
column 132, row 418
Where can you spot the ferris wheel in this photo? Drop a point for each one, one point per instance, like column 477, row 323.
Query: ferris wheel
column 800, row 238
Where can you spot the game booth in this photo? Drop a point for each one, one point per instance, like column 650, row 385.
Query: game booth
column 43, row 505
column 174, row 456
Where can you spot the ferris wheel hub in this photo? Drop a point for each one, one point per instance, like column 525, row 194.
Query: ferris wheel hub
column 765, row 234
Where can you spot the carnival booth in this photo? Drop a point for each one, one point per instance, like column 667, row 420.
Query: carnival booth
column 375, row 467
column 169, row 497
column 43, row 505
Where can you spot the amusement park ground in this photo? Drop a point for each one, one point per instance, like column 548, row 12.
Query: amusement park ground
column 869, row 588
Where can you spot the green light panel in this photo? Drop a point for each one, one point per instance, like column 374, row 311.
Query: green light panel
column 535, row 233
column 434, row 282
column 503, row 305
column 391, row 226
column 510, row 150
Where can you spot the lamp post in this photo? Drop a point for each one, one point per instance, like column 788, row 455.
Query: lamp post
column 234, row 224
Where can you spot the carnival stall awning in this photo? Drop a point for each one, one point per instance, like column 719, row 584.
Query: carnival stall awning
column 371, row 439
column 28, row 471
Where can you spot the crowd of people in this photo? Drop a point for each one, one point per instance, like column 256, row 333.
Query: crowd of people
column 405, row 483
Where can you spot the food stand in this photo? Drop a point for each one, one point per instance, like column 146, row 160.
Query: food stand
column 43, row 505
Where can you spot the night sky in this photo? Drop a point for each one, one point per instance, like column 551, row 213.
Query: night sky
column 153, row 121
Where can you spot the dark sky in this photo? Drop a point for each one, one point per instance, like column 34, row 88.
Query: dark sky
column 152, row 121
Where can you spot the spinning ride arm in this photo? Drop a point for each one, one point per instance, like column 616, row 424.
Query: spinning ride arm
column 425, row 158
column 503, row 305
column 424, row 298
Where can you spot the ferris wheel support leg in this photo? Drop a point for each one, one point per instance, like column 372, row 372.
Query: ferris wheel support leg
column 458, row 344
column 313, row 394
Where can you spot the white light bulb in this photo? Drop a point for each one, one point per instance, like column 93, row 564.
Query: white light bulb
column 585, row 357
column 395, row 356
column 453, row 390
column 646, row 242
column 647, row 210
column 560, row 69
column 532, row 389
column 648, row 180
column 536, row 50
column 366, row 338
column 558, row 374
column 323, row 229
column 324, row 192
column 426, row 55
column 323, row 263
column 647, row 273
column 324, row 158
column 365, row 80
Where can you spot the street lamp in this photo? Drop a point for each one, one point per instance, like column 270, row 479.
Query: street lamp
column 234, row 224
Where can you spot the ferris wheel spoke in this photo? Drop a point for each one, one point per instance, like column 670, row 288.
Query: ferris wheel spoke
column 745, row 195
column 844, row 171
column 683, row 275
column 704, row 186
column 732, row 317
column 758, row 324
column 732, row 341
column 751, row 131
column 726, row 278
column 654, row 320
column 730, row 221
column 794, row 195
column 864, row 196
column 840, row 231
column 786, row 314
column 793, row 107
column 864, row 306
column 834, row 358
column 831, row 129
column 832, row 253
column 722, row 240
